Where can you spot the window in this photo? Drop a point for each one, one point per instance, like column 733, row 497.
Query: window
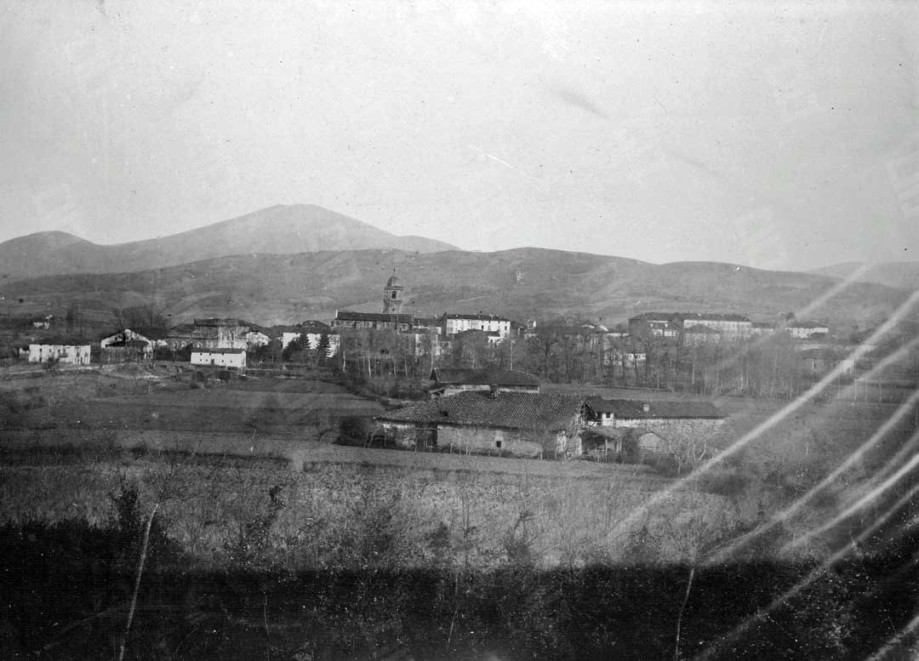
column 498, row 444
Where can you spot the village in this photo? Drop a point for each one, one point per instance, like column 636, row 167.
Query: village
column 485, row 383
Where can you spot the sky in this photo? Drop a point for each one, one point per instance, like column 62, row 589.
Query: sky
column 775, row 135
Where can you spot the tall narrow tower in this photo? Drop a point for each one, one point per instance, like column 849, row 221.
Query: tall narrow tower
column 392, row 295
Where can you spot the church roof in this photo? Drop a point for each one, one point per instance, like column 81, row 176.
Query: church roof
column 393, row 282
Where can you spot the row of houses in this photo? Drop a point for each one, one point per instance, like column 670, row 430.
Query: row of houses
column 693, row 328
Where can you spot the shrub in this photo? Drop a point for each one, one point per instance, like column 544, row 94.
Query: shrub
column 354, row 430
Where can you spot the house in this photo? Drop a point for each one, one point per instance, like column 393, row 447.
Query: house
column 728, row 326
column 676, row 420
column 700, row 334
column 804, row 330
column 763, row 328
column 457, row 323
column 654, row 325
column 345, row 319
column 817, row 362
column 129, row 346
column 226, row 358
column 209, row 334
column 674, row 325
column 257, row 338
column 519, row 423
column 65, row 352
column 449, row 382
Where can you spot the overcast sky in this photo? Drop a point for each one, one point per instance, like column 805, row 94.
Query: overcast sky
column 774, row 135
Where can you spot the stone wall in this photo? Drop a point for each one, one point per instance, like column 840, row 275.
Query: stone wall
column 679, row 430
column 482, row 439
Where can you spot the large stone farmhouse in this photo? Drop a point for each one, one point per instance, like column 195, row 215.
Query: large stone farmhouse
column 447, row 382
column 516, row 423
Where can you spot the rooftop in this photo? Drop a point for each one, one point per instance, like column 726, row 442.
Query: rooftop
column 218, row 351
column 483, row 377
column 345, row 315
column 633, row 408
column 529, row 411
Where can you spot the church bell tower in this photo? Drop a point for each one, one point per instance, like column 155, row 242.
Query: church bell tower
column 392, row 295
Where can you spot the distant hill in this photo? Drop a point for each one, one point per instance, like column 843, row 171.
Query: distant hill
column 276, row 230
column 523, row 283
column 901, row 275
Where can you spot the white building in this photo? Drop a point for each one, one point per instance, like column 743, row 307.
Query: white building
column 65, row 354
column 802, row 330
column 228, row 358
column 256, row 338
column 457, row 323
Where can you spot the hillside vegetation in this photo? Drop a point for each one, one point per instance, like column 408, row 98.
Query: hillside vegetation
column 522, row 283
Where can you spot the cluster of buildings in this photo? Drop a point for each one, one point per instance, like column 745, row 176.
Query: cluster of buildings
column 694, row 328
column 225, row 343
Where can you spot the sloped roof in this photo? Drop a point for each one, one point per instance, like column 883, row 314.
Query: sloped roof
column 654, row 316
column 313, row 326
column 713, row 316
column 345, row 315
column 634, row 409
column 513, row 410
column 807, row 324
column 218, row 351
column 483, row 377
column 478, row 317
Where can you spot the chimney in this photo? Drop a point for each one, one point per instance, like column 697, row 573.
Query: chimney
column 646, row 407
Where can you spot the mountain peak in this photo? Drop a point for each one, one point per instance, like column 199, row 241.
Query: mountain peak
column 278, row 230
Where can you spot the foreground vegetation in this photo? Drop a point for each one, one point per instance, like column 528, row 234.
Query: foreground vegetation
column 68, row 588
column 267, row 540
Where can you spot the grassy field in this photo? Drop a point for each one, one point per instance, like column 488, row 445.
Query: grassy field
column 86, row 433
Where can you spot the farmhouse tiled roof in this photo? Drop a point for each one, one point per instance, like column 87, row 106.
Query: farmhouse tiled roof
column 635, row 409
column 550, row 412
column 483, row 377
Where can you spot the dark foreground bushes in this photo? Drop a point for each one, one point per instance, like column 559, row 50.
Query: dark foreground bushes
column 65, row 591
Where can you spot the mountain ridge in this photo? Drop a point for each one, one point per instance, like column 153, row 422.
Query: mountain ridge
column 522, row 283
column 280, row 229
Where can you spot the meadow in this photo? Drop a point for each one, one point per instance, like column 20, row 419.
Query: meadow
column 271, row 540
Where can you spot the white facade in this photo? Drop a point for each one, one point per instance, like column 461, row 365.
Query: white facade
column 66, row 354
column 234, row 359
column 257, row 339
column 458, row 323
column 804, row 331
